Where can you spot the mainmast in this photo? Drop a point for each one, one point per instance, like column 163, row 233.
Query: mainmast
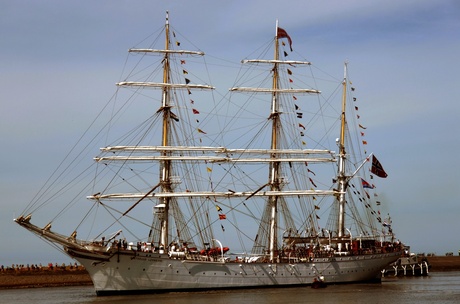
column 274, row 179
column 274, row 166
column 342, row 179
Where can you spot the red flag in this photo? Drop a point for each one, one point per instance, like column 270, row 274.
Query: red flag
column 222, row 216
column 281, row 33
column 195, row 111
column 377, row 168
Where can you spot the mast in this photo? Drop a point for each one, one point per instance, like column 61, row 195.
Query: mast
column 274, row 166
column 165, row 168
column 275, row 160
column 341, row 177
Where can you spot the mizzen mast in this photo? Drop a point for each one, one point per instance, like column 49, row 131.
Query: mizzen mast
column 342, row 179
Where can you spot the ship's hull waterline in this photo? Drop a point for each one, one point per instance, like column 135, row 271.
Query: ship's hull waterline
column 137, row 272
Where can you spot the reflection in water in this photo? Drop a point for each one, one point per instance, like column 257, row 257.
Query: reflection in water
column 440, row 287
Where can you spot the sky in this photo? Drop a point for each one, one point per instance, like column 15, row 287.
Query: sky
column 59, row 61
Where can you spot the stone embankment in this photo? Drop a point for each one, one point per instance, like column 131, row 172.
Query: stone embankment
column 444, row 263
column 27, row 277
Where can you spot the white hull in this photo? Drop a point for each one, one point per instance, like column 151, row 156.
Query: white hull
column 152, row 272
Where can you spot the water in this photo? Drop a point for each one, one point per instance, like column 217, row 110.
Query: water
column 440, row 287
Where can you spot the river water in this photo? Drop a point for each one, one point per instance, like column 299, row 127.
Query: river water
column 439, row 287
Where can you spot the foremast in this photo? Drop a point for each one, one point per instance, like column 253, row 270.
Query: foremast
column 165, row 168
column 165, row 175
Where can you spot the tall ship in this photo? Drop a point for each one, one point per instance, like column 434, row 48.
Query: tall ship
column 196, row 190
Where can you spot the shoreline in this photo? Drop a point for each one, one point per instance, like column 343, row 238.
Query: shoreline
column 45, row 277
column 444, row 263
column 58, row 277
